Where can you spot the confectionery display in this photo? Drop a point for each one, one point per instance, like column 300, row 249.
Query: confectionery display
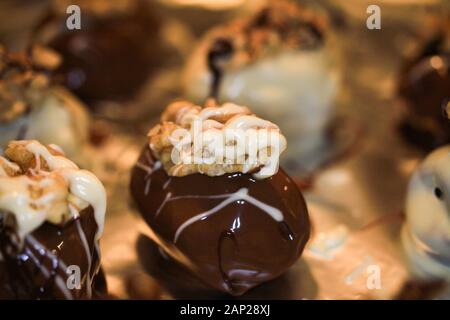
column 32, row 106
column 424, row 90
column 236, row 225
column 52, row 216
column 279, row 57
column 244, row 150
column 113, row 53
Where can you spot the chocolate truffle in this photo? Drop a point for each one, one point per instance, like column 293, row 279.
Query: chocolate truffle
column 424, row 90
column 112, row 54
column 33, row 107
column 426, row 234
column 233, row 225
column 51, row 219
column 278, row 61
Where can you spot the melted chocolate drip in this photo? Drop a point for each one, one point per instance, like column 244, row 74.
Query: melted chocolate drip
column 221, row 50
column 31, row 270
column 228, row 234
column 286, row 231
column 261, row 249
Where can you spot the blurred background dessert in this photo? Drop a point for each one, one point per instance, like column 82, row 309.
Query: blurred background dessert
column 116, row 49
column 427, row 231
column 424, row 86
column 32, row 106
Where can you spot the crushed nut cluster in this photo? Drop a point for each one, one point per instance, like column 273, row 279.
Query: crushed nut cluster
column 45, row 190
column 215, row 120
column 280, row 25
column 24, row 80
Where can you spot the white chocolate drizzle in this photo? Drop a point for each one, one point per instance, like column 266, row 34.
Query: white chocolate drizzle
column 30, row 213
column 149, row 170
column 64, row 190
column 216, row 140
column 241, row 194
column 88, row 257
column 60, row 283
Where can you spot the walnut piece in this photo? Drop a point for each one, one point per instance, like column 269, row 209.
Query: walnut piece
column 172, row 141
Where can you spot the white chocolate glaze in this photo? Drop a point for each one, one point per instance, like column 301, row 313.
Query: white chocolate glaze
column 234, row 140
column 426, row 235
column 44, row 192
column 88, row 257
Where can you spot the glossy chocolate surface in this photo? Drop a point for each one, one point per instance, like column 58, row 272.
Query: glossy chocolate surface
column 111, row 56
column 425, row 89
column 239, row 245
column 39, row 268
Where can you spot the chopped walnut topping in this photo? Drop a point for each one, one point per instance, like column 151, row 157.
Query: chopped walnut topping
column 38, row 184
column 24, row 80
column 31, row 187
column 228, row 133
column 280, row 25
column 26, row 160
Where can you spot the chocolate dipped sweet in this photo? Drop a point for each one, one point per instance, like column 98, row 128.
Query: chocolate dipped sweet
column 32, row 106
column 233, row 225
column 112, row 54
column 426, row 233
column 51, row 219
column 280, row 56
column 424, row 91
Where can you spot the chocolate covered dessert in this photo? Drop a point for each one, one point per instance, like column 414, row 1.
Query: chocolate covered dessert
column 112, row 54
column 278, row 61
column 426, row 233
column 424, row 91
column 226, row 214
column 33, row 107
column 51, row 218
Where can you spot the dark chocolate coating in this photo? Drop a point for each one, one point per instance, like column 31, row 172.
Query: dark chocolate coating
column 111, row 57
column 238, row 247
column 21, row 270
column 425, row 89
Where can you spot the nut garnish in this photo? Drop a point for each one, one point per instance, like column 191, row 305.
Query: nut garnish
column 215, row 140
column 281, row 25
column 24, row 80
column 36, row 184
